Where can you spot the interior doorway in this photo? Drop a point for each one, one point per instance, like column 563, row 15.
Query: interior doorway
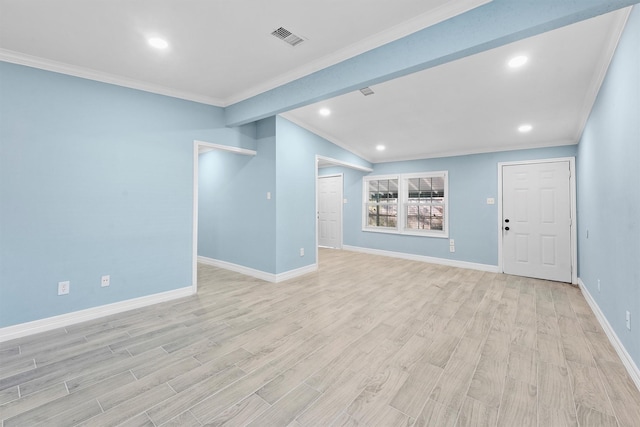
column 537, row 227
column 201, row 147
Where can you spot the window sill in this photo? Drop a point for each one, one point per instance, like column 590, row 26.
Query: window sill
column 437, row 235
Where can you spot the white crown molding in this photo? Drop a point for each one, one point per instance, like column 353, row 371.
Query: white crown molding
column 417, row 23
column 99, row 76
column 324, row 135
column 625, row 357
column 453, row 153
column 487, row 150
column 591, row 94
column 258, row 274
column 43, row 325
column 423, row 258
column 446, row 11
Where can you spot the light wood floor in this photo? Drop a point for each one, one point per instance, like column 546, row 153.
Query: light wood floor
column 366, row 341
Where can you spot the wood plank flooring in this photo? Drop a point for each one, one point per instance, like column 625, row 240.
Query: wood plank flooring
column 366, row 340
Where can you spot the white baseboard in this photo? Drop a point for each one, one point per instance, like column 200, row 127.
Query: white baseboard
column 43, row 325
column 423, row 258
column 259, row 274
column 625, row 357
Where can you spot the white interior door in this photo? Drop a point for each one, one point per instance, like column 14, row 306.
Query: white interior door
column 330, row 211
column 536, row 220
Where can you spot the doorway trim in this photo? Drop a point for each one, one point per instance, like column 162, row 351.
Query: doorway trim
column 198, row 148
column 572, row 191
column 334, row 162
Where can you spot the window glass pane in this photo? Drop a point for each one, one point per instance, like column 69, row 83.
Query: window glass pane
column 437, row 218
column 437, row 184
column 418, row 216
column 373, row 191
column 382, row 215
column 413, row 220
column 413, row 185
column 373, row 216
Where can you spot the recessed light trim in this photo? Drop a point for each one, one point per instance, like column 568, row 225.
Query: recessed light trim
column 380, row 147
column 158, row 43
column 324, row 112
column 518, row 61
column 525, row 128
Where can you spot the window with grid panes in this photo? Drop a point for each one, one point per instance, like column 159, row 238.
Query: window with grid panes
column 382, row 203
column 424, row 207
column 413, row 204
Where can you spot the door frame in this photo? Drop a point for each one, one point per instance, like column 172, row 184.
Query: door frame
column 333, row 175
column 572, row 191
column 335, row 162
column 198, row 148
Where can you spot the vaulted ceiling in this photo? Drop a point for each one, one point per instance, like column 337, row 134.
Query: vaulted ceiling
column 223, row 52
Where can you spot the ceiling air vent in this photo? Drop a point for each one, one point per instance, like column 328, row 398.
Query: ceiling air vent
column 286, row 35
column 366, row 91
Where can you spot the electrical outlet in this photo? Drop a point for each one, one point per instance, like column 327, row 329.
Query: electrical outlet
column 628, row 320
column 598, row 285
column 301, row 251
column 63, row 288
column 452, row 248
column 105, row 281
column 491, row 201
column 452, row 242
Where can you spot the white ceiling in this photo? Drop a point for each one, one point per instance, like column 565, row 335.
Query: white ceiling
column 222, row 52
column 476, row 104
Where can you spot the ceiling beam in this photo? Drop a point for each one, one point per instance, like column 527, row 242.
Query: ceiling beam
column 494, row 24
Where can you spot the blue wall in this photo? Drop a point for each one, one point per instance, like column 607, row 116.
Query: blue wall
column 609, row 192
column 94, row 179
column 296, row 150
column 472, row 223
column 236, row 222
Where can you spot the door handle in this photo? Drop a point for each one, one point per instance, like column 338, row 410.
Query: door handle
column 506, row 228
column 506, row 220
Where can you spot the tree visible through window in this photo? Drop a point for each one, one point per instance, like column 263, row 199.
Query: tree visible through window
column 383, row 203
column 425, row 203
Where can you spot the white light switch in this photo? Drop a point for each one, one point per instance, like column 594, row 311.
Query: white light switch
column 491, row 201
column 268, row 195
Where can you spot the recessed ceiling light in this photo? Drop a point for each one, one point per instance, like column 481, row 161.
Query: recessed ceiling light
column 517, row 61
column 525, row 128
column 324, row 112
column 158, row 43
column 380, row 147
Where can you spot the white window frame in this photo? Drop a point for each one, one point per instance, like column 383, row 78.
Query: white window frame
column 365, row 206
column 403, row 196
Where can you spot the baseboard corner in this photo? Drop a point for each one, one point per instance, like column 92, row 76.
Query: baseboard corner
column 622, row 352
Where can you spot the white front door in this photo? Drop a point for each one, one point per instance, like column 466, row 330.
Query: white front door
column 536, row 220
column 330, row 211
